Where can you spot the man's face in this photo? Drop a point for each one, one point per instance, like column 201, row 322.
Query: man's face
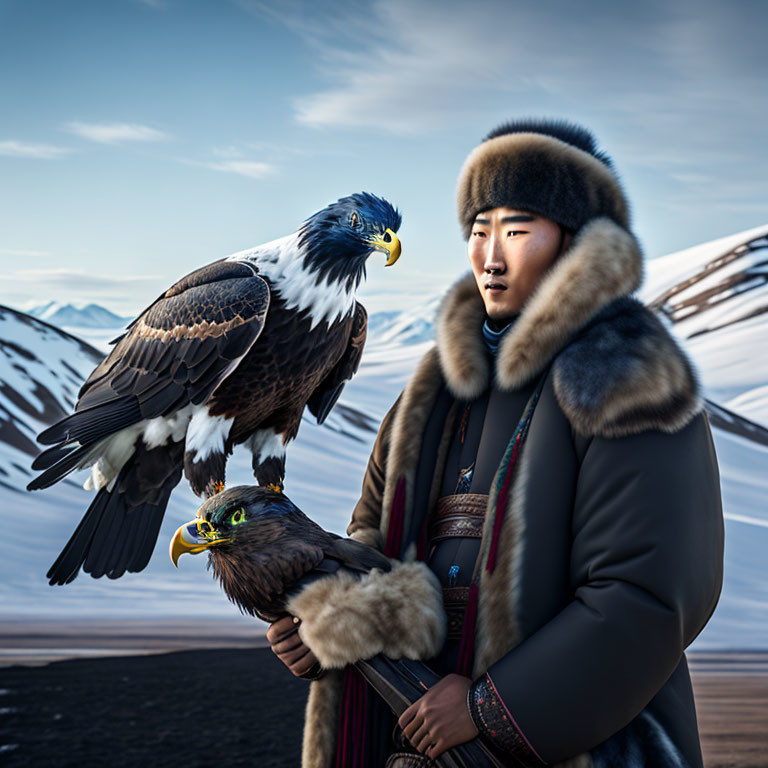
column 509, row 250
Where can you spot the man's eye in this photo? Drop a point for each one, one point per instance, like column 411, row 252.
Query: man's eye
column 516, row 232
column 478, row 234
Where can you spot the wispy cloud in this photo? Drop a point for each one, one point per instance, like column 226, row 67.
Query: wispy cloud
column 115, row 133
column 81, row 281
column 12, row 148
column 252, row 169
column 404, row 67
column 409, row 81
column 23, row 254
column 228, row 153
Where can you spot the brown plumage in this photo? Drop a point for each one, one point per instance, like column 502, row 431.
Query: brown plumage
column 230, row 354
column 262, row 547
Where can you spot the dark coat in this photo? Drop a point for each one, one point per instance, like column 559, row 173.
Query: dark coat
column 611, row 550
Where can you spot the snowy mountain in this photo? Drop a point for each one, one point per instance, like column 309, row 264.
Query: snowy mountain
column 709, row 296
column 41, row 371
column 412, row 327
column 78, row 316
column 715, row 298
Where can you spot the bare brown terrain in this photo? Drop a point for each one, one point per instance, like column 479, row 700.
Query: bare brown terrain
column 121, row 695
column 731, row 692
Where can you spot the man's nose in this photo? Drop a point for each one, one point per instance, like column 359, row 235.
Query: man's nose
column 494, row 261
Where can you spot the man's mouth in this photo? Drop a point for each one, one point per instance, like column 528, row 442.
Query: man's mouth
column 494, row 286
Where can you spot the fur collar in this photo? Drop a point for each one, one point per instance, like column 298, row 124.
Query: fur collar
column 619, row 371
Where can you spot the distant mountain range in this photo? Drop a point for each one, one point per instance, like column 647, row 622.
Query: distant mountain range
column 713, row 297
column 74, row 316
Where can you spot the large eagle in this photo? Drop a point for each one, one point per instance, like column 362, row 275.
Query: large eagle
column 230, row 354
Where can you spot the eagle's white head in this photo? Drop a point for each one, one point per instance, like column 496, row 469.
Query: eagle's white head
column 319, row 267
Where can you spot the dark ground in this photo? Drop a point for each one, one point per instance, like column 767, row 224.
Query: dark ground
column 237, row 707
column 194, row 709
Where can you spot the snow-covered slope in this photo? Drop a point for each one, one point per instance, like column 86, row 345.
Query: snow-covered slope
column 41, row 370
column 412, row 327
column 41, row 367
column 715, row 297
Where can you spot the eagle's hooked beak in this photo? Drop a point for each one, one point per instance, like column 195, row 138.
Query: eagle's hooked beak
column 193, row 537
column 387, row 242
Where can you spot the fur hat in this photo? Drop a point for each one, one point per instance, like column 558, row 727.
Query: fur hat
column 552, row 168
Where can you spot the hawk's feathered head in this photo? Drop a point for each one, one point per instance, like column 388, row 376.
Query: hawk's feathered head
column 337, row 240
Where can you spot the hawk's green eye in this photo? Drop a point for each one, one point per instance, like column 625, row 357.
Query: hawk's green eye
column 238, row 516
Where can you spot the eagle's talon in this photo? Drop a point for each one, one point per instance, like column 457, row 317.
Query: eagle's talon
column 276, row 487
column 218, row 487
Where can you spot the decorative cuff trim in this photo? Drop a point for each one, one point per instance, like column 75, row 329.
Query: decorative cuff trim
column 494, row 721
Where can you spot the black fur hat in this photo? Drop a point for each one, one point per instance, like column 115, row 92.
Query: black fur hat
column 549, row 167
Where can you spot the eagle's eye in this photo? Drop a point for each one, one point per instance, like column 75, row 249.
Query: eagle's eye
column 354, row 219
column 238, row 516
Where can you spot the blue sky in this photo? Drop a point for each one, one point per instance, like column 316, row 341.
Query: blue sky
column 140, row 139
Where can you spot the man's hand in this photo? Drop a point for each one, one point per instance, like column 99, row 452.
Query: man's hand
column 440, row 719
column 283, row 636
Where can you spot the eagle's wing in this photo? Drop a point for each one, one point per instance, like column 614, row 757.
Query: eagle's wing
column 357, row 556
column 261, row 582
column 283, row 567
column 327, row 392
column 175, row 353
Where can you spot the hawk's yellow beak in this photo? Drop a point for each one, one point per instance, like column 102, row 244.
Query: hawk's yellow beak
column 193, row 537
column 387, row 242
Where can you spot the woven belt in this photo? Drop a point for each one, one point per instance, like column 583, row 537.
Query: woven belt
column 473, row 504
column 460, row 514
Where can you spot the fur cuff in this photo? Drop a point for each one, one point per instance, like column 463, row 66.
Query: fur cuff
column 345, row 618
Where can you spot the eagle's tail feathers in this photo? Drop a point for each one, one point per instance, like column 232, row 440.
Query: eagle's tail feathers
column 118, row 550
column 125, row 544
column 106, row 541
column 146, row 543
column 51, row 456
column 120, row 528
column 92, row 424
column 57, row 466
column 68, row 563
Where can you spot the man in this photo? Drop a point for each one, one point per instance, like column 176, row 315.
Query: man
column 551, row 462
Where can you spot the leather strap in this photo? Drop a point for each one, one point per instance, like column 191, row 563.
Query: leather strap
column 461, row 526
column 471, row 504
column 458, row 515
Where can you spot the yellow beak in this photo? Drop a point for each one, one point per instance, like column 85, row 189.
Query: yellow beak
column 193, row 537
column 387, row 242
